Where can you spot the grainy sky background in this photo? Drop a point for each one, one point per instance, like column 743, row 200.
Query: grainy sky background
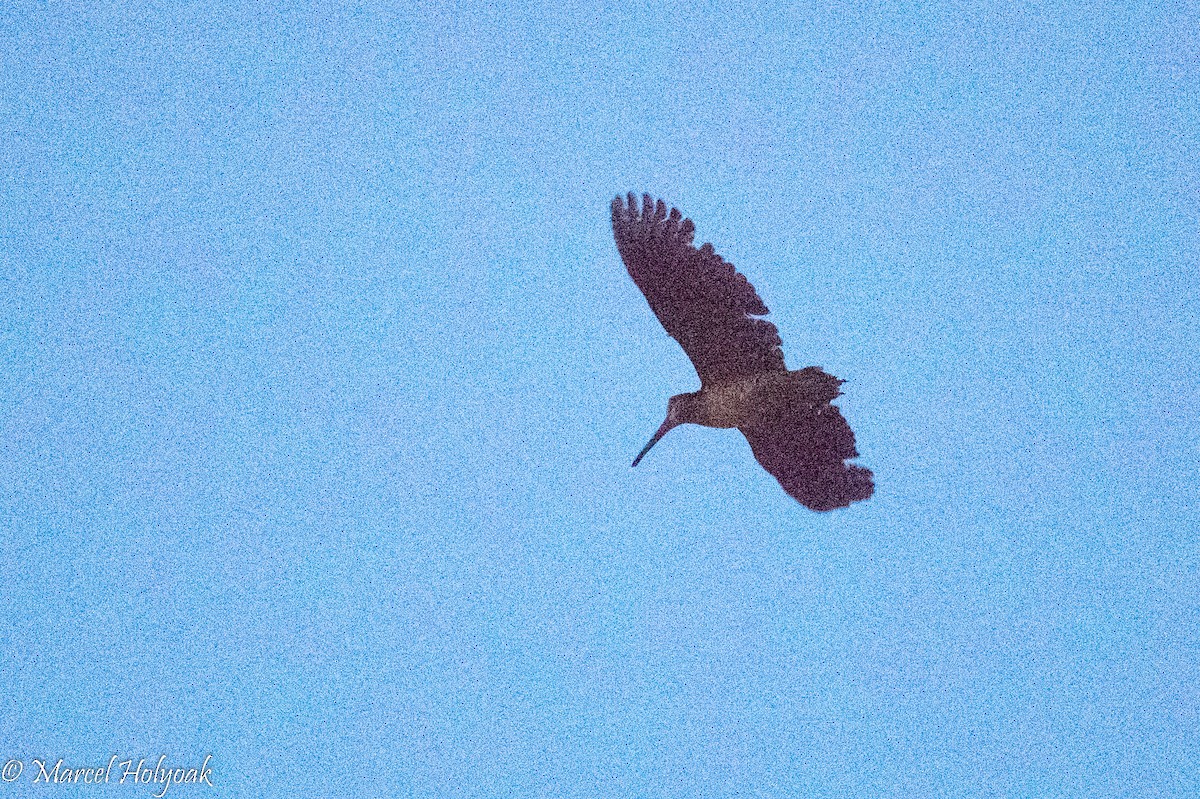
column 322, row 377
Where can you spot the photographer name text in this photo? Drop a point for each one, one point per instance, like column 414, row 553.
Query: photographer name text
column 117, row 771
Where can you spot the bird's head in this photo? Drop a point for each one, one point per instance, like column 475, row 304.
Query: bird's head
column 681, row 408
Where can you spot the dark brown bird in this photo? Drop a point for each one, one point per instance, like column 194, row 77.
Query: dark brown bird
column 711, row 310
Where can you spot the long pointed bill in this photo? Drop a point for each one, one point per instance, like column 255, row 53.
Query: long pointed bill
column 662, row 431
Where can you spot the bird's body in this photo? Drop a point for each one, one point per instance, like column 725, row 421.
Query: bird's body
column 731, row 404
column 726, row 404
column 794, row 431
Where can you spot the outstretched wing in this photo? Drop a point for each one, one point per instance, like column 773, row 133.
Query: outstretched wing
column 804, row 441
column 701, row 300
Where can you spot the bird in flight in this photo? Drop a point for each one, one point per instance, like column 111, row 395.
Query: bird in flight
column 794, row 431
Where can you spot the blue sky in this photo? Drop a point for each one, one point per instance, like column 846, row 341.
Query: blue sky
column 323, row 377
